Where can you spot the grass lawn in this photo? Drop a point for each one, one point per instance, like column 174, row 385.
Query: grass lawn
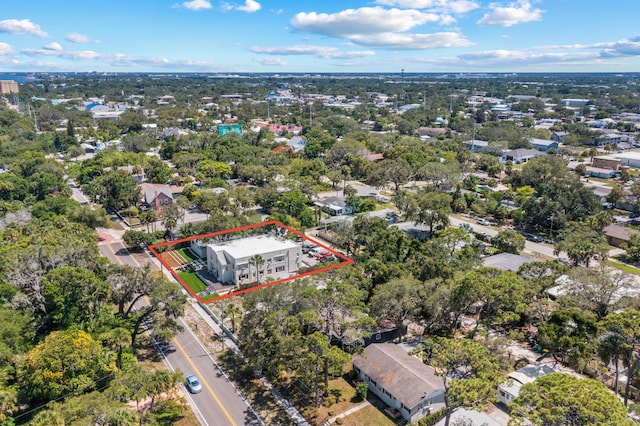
column 623, row 267
column 347, row 399
column 368, row 416
column 192, row 280
column 187, row 254
column 211, row 296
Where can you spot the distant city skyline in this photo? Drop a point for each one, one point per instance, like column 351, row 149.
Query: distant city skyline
column 356, row 36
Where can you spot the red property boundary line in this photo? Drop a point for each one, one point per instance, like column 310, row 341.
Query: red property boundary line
column 152, row 248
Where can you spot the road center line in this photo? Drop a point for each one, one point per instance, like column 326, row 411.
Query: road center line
column 206, row 384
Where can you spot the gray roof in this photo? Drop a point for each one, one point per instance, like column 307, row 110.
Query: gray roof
column 543, row 142
column 522, row 152
column 404, row 376
column 151, row 194
column 506, row 261
column 475, row 417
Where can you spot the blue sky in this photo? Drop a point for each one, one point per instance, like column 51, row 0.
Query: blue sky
column 320, row 36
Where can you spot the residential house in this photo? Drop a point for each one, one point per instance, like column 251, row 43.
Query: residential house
column 476, row 145
column 506, row 261
column 463, row 416
column 231, row 261
column 520, row 155
column 600, row 173
column 617, row 235
column 334, row 205
column 543, row 144
column 558, row 136
column 297, row 144
column 607, row 162
column 158, row 198
column 408, row 386
column 510, row 389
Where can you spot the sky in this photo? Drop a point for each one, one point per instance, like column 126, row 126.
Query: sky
column 320, row 36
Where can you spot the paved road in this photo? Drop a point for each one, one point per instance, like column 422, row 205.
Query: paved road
column 531, row 247
column 219, row 403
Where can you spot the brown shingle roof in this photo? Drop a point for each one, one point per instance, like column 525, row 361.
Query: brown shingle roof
column 404, row 376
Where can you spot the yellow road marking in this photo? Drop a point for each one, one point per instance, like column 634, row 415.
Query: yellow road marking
column 115, row 255
column 200, row 376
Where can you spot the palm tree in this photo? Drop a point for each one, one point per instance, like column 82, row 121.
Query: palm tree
column 233, row 311
column 257, row 261
column 612, row 347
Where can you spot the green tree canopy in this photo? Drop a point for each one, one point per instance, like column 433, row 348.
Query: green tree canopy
column 562, row 399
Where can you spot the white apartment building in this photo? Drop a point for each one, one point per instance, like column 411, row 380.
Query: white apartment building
column 232, row 261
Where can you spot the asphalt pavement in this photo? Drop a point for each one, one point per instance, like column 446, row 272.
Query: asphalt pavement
column 219, row 403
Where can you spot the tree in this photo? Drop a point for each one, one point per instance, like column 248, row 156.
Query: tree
column 470, row 373
column 318, row 356
column 562, row 399
column 432, row 209
column 117, row 190
column 257, row 261
column 570, row 334
column 232, row 311
column 626, row 324
column 65, row 362
column 582, row 244
column 74, row 296
column 399, row 298
column 611, row 349
column 600, row 290
column 509, row 241
column 164, row 300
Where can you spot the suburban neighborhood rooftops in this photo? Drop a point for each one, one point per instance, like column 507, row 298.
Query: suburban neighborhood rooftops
column 506, row 261
column 251, row 246
column 404, row 376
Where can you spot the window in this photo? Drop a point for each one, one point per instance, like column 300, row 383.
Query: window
column 244, row 276
column 269, row 271
column 278, row 258
column 279, row 268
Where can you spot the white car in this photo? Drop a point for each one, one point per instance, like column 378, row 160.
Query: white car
column 483, row 221
column 193, row 384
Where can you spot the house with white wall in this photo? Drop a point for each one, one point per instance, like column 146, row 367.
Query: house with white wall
column 403, row 382
column 233, row 261
column 510, row 389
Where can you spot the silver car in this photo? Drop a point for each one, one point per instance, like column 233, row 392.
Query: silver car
column 193, row 384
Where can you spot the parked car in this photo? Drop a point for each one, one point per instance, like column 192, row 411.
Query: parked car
column 634, row 215
column 483, row 221
column 193, row 384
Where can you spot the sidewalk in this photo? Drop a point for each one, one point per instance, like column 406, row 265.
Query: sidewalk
column 347, row 413
column 226, row 336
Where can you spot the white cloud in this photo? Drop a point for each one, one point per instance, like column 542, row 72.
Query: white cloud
column 448, row 6
column 197, row 4
column 77, row 38
column 366, row 20
column 394, row 41
column 271, row 61
column 250, row 6
column 5, row 49
column 53, row 46
column 23, row 26
column 515, row 13
column 73, row 55
column 319, row 51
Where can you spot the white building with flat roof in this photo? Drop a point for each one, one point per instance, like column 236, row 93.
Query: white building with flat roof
column 233, row 261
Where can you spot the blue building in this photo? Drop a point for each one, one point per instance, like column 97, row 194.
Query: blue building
column 543, row 144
